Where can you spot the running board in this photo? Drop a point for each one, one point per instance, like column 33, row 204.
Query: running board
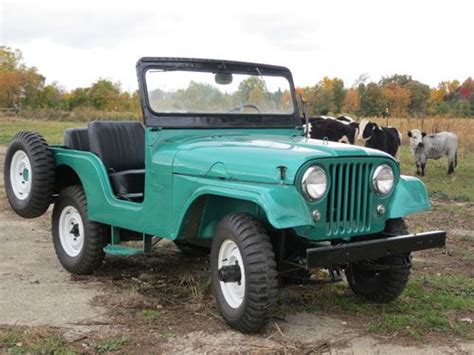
column 122, row 250
column 116, row 248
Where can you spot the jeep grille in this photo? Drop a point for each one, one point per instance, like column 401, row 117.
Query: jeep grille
column 349, row 200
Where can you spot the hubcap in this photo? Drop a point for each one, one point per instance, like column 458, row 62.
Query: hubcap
column 71, row 231
column 20, row 175
column 233, row 290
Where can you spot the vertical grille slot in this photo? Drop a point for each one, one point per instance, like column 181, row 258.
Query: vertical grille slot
column 349, row 200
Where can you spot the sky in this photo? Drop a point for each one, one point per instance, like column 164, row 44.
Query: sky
column 76, row 42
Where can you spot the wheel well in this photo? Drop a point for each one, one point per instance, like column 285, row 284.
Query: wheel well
column 206, row 211
column 66, row 176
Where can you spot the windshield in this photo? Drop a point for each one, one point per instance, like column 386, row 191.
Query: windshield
column 220, row 93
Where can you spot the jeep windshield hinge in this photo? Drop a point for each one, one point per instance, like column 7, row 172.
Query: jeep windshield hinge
column 307, row 131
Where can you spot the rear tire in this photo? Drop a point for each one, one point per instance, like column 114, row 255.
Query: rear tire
column 247, row 304
column 78, row 242
column 29, row 174
column 384, row 279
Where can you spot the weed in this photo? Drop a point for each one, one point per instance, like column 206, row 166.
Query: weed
column 150, row 314
column 35, row 340
column 108, row 345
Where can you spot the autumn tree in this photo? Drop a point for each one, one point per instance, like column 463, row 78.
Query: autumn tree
column 351, row 103
column 396, row 99
column 19, row 84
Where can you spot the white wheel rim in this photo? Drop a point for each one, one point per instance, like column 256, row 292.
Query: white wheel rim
column 21, row 175
column 71, row 231
column 233, row 292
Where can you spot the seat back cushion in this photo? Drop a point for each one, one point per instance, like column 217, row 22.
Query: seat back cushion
column 76, row 138
column 119, row 144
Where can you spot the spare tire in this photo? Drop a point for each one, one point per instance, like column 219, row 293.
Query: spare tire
column 29, row 174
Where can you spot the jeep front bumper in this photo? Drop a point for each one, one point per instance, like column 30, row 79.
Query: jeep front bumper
column 329, row 256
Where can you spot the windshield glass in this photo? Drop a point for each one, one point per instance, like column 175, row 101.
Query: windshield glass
column 221, row 93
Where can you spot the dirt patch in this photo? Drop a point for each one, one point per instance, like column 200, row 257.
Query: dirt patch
column 34, row 289
column 163, row 302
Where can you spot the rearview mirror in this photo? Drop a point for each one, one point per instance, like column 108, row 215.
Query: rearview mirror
column 223, row 78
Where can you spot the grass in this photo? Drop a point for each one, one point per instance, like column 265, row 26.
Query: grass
column 14, row 340
column 457, row 186
column 150, row 314
column 109, row 345
column 42, row 340
column 429, row 304
column 53, row 131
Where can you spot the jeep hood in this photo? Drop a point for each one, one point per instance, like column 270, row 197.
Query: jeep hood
column 257, row 158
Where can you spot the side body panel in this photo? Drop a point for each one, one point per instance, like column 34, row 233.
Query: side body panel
column 189, row 203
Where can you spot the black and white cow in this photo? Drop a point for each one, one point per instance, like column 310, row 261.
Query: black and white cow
column 345, row 119
column 433, row 146
column 387, row 139
column 333, row 130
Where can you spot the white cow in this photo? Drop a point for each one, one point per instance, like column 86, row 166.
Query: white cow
column 433, row 146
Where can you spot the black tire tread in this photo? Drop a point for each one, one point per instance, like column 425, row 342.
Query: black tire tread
column 393, row 282
column 261, row 271
column 93, row 254
column 42, row 164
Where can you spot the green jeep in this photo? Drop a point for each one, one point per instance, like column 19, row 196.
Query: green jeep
column 221, row 165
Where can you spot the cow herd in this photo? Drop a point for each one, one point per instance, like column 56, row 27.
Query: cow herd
column 344, row 129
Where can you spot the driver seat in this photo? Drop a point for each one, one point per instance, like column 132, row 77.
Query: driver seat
column 121, row 147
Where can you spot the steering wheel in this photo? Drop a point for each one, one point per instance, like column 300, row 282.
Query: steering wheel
column 240, row 108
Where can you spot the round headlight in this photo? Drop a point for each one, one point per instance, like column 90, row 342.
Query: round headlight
column 383, row 179
column 314, row 183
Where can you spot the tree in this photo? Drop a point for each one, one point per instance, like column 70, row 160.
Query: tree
column 247, row 86
column 339, row 94
column 78, row 97
column 396, row 98
column 372, row 102
column 10, row 89
column 10, row 60
column 105, row 95
column 419, row 92
column 32, row 84
column 52, row 96
column 351, row 102
column 19, row 84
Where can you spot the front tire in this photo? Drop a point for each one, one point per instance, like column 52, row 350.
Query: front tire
column 78, row 242
column 243, row 272
column 384, row 279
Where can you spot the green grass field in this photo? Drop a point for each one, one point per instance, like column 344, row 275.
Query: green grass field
column 53, row 131
column 457, row 187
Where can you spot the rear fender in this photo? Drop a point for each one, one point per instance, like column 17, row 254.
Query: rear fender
column 94, row 179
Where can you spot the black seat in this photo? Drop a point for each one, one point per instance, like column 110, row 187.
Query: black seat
column 121, row 147
column 76, row 138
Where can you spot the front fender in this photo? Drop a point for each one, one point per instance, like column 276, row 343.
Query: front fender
column 410, row 196
column 283, row 205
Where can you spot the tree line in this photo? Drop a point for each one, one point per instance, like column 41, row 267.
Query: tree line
column 22, row 86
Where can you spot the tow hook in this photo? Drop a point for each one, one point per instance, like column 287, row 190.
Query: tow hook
column 230, row 273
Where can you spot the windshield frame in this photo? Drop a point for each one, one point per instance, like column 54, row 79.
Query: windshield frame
column 213, row 120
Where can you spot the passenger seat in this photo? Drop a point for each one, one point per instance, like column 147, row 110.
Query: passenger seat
column 121, row 147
